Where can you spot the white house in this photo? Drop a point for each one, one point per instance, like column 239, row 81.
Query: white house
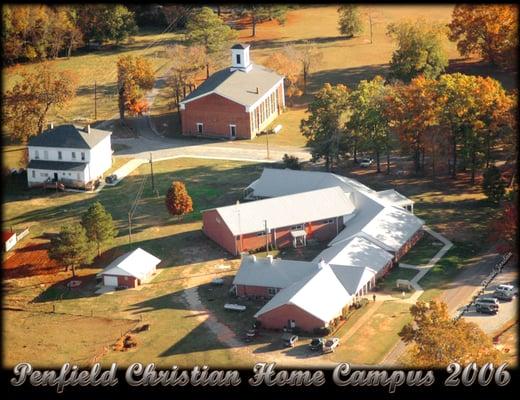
column 69, row 154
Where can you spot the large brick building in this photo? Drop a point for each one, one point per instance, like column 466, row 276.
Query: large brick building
column 236, row 102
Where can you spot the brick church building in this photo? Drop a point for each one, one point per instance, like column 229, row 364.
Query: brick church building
column 236, row 102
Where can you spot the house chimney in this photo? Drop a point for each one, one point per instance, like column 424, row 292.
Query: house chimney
column 88, row 129
column 51, row 125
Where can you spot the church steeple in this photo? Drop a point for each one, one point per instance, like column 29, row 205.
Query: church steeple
column 240, row 58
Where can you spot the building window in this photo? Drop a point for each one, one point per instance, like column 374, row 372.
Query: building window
column 297, row 227
column 33, row 173
column 327, row 221
column 78, row 175
column 59, row 155
column 73, row 155
column 36, row 154
column 45, row 155
column 218, row 220
column 238, row 58
column 200, row 127
column 82, row 156
column 272, row 291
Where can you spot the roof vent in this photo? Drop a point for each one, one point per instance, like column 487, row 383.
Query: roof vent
column 257, row 90
column 322, row 264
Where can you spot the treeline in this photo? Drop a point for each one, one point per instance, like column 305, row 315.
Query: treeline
column 40, row 32
column 453, row 122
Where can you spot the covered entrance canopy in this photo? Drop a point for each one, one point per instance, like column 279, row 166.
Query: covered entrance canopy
column 299, row 238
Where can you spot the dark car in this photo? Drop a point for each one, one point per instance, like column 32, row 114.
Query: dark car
column 486, row 309
column 504, row 296
column 111, row 178
column 316, row 344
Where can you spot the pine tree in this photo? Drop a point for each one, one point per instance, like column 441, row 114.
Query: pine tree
column 178, row 201
column 99, row 225
column 72, row 247
column 493, row 185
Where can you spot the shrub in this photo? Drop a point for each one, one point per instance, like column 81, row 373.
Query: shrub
column 291, row 162
column 493, row 185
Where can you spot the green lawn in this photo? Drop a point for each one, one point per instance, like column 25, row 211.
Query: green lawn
column 387, row 284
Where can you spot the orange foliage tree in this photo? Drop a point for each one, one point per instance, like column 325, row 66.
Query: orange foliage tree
column 134, row 77
column 178, row 201
column 490, row 31
column 290, row 68
column 505, row 227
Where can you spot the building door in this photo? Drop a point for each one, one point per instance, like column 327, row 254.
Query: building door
column 233, row 131
column 55, row 177
column 110, row 280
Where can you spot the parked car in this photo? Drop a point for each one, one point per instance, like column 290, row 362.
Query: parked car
column 289, row 339
column 316, row 344
column 330, row 345
column 486, row 308
column 111, row 178
column 487, row 301
column 505, row 296
column 507, row 289
column 366, row 162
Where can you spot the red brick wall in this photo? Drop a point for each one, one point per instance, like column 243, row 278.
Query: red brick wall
column 253, row 291
column 218, row 232
column 127, row 281
column 408, row 245
column 278, row 318
column 216, row 113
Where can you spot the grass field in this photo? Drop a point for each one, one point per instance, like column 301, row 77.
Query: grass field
column 422, row 251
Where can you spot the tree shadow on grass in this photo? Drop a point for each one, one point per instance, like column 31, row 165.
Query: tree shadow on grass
column 347, row 76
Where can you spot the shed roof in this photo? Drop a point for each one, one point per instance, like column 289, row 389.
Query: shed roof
column 6, row 235
column 137, row 263
column 394, row 197
column 238, row 85
column 303, row 294
column 286, row 210
column 69, row 136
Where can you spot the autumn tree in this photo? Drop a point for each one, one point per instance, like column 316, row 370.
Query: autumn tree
column 504, row 228
column 324, row 126
column 437, row 340
column 349, row 20
column 178, row 15
column 493, row 185
column 178, row 201
column 419, row 50
column 72, row 247
column 28, row 103
column 487, row 30
column 187, row 64
column 368, row 118
column 207, row 29
column 288, row 67
column 264, row 12
column 135, row 76
column 308, row 54
column 99, row 225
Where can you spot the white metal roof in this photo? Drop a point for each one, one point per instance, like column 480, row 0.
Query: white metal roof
column 394, row 197
column 137, row 263
column 269, row 272
column 304, row 295
column 353, row 278
column 357, row 252
column 286, row 210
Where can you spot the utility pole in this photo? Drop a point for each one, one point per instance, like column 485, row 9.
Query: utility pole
column 266, row 238
column 151, row 173
column 267, row 142
column 95, row 101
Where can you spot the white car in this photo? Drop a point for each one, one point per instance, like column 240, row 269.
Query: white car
column 507, row 289
column 366, row 162
column 330, row 345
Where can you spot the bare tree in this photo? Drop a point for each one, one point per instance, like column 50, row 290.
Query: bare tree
column 308, row 54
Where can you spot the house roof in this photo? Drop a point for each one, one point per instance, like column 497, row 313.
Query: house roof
column 69, row 136
column 136, row 263
column 280, row 182
column 57, row 165
column 357, row 252
column 271, row 272
column 394, row 197
column 240, row 46
column 238, row 85
column 286, row 210
column 353, row 278
column 390, row 228
column 302, row 294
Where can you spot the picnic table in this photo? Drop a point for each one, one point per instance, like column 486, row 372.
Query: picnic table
column 234, row 307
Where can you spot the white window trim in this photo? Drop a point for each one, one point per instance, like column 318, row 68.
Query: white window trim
column 201, row 124
column 231, row 126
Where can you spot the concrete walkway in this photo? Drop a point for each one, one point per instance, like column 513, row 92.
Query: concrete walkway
column 127, row 169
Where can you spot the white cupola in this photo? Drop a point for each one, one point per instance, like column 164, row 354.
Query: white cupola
column 240, row 58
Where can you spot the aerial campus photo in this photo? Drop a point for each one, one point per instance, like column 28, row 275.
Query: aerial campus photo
column 223, row 185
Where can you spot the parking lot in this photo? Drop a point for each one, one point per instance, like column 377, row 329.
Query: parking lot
column 507, row 311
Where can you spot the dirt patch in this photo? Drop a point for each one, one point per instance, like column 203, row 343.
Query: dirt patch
column 31, row 260
column 125, row 343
